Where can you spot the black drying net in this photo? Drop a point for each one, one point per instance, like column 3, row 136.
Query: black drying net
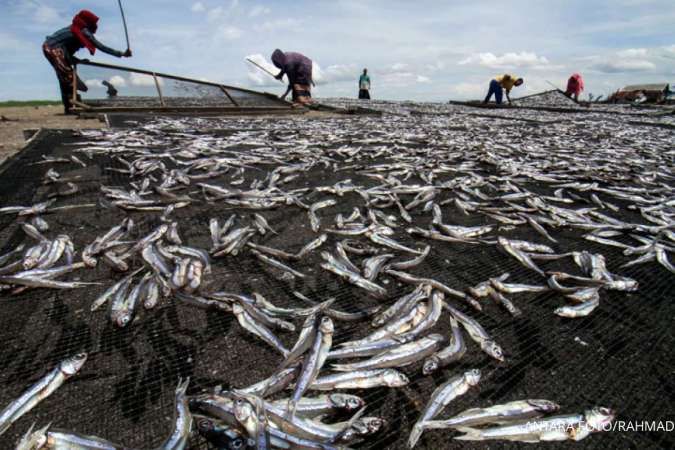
column 620, row 356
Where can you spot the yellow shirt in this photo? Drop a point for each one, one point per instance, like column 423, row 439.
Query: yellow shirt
column 507, row 81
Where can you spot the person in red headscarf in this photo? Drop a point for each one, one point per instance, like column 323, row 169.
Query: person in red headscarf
column 60, row 48
column 575, row 85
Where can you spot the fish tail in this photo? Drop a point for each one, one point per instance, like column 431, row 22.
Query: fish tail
column 182, row 386
column 415, row 435
column 470, row 434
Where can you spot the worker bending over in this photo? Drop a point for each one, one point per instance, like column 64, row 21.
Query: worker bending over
column 60, row 48
column 298, row 69
column 575, row 85
column 505, row 82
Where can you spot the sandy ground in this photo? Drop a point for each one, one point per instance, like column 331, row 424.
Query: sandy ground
column 23, row 118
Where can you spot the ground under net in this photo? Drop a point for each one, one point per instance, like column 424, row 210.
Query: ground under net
column 620, row 356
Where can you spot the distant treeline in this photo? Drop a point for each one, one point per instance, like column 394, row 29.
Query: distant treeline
column 11, row 103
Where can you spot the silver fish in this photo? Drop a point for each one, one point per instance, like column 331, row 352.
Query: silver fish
column 356, row 279
column 258, row 329
column 324, row 404
column 508, row 412
column 362, row 379
column 404, row 265
column 277, row 264
column 313, row 245
column 182, row 421
column 373, row 265
column 399, row 356
column 313, row 362
column 279, row 381
column 441, row 397
column 477, row 333
column 579, row 310
column 557, row 428
column 449, row 354
column 47, row 438
column 41, row 390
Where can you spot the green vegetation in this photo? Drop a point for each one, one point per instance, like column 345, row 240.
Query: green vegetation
column 11, row 103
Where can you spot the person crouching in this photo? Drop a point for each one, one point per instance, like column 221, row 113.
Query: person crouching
column 298, row 69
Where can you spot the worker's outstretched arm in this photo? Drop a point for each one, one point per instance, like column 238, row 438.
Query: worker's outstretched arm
column 104, row 48
column 508, row 97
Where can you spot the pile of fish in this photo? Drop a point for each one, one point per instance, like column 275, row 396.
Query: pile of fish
column 376, row 214
column 36, row 267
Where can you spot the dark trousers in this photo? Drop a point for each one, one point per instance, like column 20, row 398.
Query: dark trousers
column 64, row 72
column 496, row 89
column 364, row 94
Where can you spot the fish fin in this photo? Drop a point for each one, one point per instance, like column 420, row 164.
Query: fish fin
column 290, row 409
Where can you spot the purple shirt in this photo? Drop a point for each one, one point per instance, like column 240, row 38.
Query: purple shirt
column 297, row 67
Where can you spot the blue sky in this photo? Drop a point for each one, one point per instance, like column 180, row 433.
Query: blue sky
column 421, row 50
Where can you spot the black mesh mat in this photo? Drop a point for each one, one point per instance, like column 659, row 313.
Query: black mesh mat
column 620, row 356
column 140, row 89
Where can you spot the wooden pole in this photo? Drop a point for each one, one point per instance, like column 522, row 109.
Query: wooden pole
column 263, row 69
column 234, row 102
column 159, row 90
column 74, row 98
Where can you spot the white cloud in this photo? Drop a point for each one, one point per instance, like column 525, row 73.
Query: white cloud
column 259, row 10
column 142, row 80
column 46, row 14
column 507, row 60
column 617, row 66
column 423, row 79
column 278, row 25
column 668, row 51
column 37, row 12
column 118, row 81
column 469, row 90
column 627, row 60
column 397, row 79
column 436, row 66
column 228, row 33
column 215, row 13
column 335, row 73
column 94, row 83
column 12, row 42
column 198, row 7
column 632, row 53
column 398, row 67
